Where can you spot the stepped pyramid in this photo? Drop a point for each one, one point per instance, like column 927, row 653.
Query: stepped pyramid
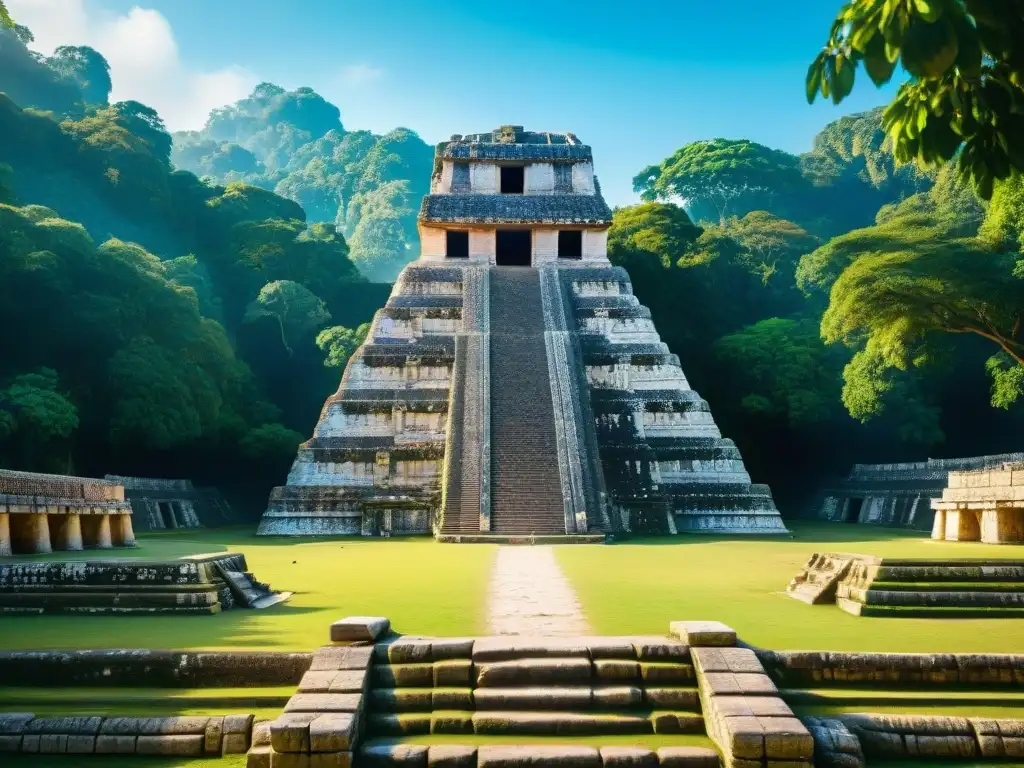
column 513, row 385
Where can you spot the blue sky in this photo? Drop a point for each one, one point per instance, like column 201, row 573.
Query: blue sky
column 634, row 80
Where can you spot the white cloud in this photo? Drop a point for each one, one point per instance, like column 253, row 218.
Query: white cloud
column 145, row 64
column 358, row 75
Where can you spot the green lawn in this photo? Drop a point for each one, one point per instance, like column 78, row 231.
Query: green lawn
column 640, row 586
column 422, row 586
column 625, row 588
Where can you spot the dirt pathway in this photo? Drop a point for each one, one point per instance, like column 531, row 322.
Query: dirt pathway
column 529, row 595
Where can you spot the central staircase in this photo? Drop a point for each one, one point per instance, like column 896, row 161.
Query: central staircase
column 526, row 491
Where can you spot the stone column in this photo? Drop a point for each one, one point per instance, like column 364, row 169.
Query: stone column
column 5, row 534
column 66, row 533
column 127, row 532
column 96, row 530
column 939, row 525
column 37, row 538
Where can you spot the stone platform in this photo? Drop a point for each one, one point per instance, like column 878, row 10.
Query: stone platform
column 196, row 584
column 43, row 513
column 870, row 586
column 985, row 505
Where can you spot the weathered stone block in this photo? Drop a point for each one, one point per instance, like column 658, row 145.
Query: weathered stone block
column 452, row 698
column 335, row 657
column 81, row 745
column 53, row 743
column 403, row 675
column 213, row 736
column 404, row 651
column 687, row 757
column 445, row 648
column 451, row 756
column 451, row 722
column 259, row 757
column 359, row 629
column 617, row 696
column 672, row 698
column 743, row 737
column 15, row 722
column 30, row 742
column 324, row 702
column 501, row 648
column 739, row 684
column 666, row 673
column 317, row 682
column 332, row 733
column 261, row 734
column 555, row 757
column 238, row 724
column 453, row 672
column 409, row 723
column 533, row 698
column 65, row 725
column 349, row 681
column 169, row 745
column 628, row 757
column 727, row 660
column 534, row 671
column 611, row 648
column 677, row 722
column 750, row 706
column 10, row 742
column 401, row 699
column 173, row 726
column 786, row 738
column 115, row 745
column 290, row 732
column 616, row 669
column 235, row 743
column 661, row 649
column 703, row 633
column 389, row 755
column 330, row 760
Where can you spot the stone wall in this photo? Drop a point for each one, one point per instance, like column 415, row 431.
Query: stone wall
column 897, row 495
column 41, row 513
column 984, row 505
column 143, row 668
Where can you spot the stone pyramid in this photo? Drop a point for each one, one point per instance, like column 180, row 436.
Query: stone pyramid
column 513, row 386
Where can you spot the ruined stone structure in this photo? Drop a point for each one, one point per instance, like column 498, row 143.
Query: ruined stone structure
column 984, row 505
column 897, row 495
column 865, row 585
column 42, row 513
column 194, row 584
column 513, row 385
column 159, row 504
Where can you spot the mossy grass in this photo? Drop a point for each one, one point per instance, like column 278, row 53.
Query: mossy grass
column 917, row 697
column 424, row 587
column 639, row 586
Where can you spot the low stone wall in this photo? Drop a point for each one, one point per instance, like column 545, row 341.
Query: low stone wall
column 152, row 669
column 939, row 737
column 800, row 669
column 182, row 736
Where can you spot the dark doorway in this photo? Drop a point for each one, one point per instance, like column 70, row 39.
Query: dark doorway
column 167, row 514
column 853, row 511
column 513, row 179
column 513, row 248
column 570, row 244
column 457, row 245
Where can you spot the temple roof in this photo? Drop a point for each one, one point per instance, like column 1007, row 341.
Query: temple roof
column 513, row 143
column 515, row 209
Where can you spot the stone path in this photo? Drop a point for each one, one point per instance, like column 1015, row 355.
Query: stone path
column 529, row 595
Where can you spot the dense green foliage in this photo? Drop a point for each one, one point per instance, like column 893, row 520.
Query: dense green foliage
column 164, row 325
column 966, row 95
column 869, row 312
column 293, row 142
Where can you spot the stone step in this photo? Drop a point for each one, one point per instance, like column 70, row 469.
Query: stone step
column 384, row 754
column 553, row 671
column 534, row 723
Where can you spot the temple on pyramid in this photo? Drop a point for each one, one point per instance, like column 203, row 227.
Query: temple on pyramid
column 513, row 386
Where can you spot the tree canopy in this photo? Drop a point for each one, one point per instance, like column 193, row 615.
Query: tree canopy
column 965, row 98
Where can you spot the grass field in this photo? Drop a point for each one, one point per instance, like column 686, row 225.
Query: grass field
column 422, row 586
column 640, row 586
column 625, row 588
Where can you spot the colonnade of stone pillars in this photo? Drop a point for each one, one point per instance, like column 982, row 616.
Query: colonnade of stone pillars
column 39, row 533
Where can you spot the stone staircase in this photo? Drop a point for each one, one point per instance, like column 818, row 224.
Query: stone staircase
column 526, row 493
column 462, row 489
column 523, row 687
